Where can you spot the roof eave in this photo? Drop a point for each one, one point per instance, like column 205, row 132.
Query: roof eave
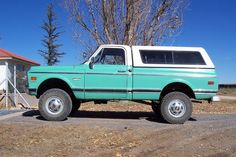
column 16, row 59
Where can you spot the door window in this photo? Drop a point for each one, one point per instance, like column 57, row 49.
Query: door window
column 112, row 56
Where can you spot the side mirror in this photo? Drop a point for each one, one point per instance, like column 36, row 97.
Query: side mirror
column 91, row 63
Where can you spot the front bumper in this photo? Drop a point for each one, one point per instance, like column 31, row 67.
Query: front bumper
column 32, row 91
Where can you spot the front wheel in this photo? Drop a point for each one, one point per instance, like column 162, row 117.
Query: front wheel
column 55, row 105
column 75, row 107
column 176, row 108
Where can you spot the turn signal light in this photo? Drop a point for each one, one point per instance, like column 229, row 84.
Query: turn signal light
column 210, row 82
column 33, row 78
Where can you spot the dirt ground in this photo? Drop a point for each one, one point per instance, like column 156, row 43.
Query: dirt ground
column 122, row 129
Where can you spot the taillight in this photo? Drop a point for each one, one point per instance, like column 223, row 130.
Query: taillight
column 210, row 82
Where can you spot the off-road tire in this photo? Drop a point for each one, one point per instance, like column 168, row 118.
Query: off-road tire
column 75, row 107
column 166, row 107
column 156, row 107
column 55, row 94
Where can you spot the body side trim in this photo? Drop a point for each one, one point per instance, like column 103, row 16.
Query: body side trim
column 179, row 75
column 56, row 72
column 204, row 91
column 116, row 90
column 107, row 73
column 146, row 90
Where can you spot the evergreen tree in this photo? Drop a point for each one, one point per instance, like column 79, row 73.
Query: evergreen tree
column 51, row 54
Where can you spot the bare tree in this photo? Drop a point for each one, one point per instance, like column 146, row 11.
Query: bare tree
column 129, row 22
column 51, row 54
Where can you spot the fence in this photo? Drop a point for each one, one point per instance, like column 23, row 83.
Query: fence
column 11, row 88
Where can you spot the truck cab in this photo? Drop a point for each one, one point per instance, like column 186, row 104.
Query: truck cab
column 169, row 76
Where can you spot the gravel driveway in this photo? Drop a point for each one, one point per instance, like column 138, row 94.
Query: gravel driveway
column 112, row 133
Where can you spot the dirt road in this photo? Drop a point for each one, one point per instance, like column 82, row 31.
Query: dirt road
column 228, row 97
column 112, row 133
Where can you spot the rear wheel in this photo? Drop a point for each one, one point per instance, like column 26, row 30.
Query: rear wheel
column 176, row 108
column 55, row 104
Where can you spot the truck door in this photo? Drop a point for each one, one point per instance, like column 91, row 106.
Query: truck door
column 107, row 78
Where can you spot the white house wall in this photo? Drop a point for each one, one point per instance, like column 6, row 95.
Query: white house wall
column 11, row 63
column 2, row 76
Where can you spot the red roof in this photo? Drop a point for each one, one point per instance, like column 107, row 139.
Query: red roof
column 7, row 54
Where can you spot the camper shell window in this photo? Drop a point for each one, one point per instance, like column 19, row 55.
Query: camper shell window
column 172, row 57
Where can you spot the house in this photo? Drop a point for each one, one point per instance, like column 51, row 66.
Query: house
column 10, row 61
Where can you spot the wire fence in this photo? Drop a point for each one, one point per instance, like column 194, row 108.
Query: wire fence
column 15, row 83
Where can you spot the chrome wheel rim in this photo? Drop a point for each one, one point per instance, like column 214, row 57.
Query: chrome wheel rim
column 176, row 108
column 54, row 105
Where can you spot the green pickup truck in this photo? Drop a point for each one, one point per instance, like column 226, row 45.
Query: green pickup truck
column 170, row 77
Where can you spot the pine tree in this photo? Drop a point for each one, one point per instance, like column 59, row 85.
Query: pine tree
column 51, row 54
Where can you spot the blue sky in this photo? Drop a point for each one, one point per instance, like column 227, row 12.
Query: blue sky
column 207, row 23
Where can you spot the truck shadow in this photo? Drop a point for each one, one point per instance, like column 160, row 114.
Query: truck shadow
column 150, row 116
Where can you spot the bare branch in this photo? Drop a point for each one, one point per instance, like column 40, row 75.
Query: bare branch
column 113, row 21
column 94, row 22
column 127, row 22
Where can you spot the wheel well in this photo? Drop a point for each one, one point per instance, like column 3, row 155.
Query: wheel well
column 54, row 83
column 180, row 87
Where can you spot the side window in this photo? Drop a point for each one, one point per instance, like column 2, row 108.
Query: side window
column 113, row 56
column 157, row 57
column 190, row 58
column 172, row 57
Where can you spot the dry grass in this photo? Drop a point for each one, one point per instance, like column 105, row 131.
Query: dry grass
column 222, row 107
column 227, row 91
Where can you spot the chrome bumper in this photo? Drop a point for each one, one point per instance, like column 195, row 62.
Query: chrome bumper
column 31, row 91
column 215, row 98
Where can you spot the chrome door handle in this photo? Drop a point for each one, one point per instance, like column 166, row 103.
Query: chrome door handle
column 121, row 71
